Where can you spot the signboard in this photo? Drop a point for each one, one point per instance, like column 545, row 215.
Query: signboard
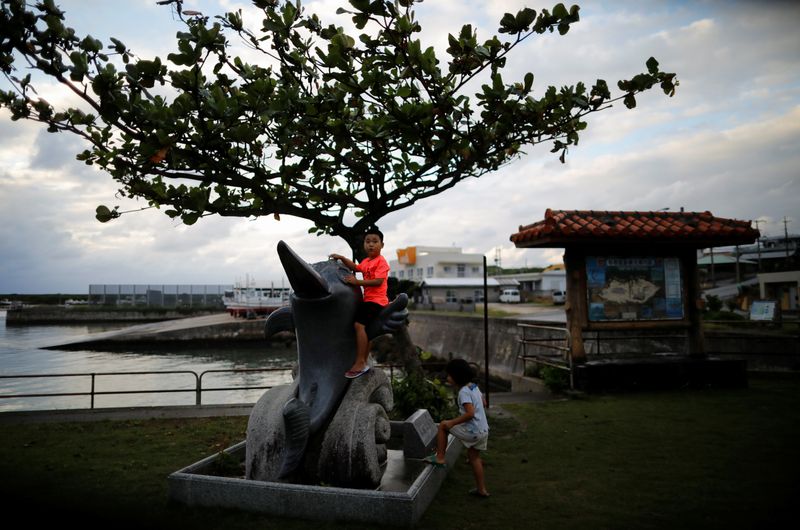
column 634, row 288
column 763, row 310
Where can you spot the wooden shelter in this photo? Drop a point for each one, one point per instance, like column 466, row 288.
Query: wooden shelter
column 632, row 271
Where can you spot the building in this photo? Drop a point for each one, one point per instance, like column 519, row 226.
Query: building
column 783, row 287
column 543, row 283
column 419, row 263
column 158, row 295
column 632, row 272
column 462, row 291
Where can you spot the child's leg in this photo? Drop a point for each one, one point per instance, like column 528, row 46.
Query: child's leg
column 441, row 443
column 362, row 347
column 477, row 469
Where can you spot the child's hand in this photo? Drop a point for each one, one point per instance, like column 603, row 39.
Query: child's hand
column 335, row 256
column 351, row 279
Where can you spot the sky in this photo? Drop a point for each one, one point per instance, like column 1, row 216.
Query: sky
column 728, row 142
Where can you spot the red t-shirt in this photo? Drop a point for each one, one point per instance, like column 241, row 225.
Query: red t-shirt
column 373, row 268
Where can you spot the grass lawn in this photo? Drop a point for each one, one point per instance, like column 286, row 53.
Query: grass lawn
column 689, row 459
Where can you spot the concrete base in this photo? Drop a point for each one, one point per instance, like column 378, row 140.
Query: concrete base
column 406, row 490
column 522, row 383
column 660, row 372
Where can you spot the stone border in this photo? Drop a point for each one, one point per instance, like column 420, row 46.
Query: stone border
column 192, row 487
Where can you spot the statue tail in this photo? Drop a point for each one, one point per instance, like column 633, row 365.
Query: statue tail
column 296, row 417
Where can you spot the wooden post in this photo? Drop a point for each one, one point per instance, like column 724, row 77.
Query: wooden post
column 575, row 307
column 692, row 284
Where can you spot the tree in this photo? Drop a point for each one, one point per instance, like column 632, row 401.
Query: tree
column 330, row 128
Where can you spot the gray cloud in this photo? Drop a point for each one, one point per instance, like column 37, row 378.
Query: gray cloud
column 726, row 143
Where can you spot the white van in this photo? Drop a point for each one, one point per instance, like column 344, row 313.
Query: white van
column 510, row 296
column 559, row 297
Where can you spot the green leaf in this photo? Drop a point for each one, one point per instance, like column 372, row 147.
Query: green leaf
column 190, row 218
column 630, row 101
column 652, row 65
column 528, row 81
column 104, row 215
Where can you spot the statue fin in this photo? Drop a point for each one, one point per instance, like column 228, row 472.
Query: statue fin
column 391, row 318
column 296, row 420
column 281, row 319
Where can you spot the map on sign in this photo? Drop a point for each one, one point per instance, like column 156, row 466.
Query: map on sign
column 634, row 288
column 763, row 310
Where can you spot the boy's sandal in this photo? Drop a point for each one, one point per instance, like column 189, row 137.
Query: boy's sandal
column 432, row 461
column 475, row 493
column 352, row 374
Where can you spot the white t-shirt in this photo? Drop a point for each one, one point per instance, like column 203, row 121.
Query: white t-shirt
column 470, row 393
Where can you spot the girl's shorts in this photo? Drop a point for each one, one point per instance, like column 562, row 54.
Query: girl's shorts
column 470, row 439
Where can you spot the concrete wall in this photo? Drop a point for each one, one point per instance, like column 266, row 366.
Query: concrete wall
column 462, row 336
column 58, row 314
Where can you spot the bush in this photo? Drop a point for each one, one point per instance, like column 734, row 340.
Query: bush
column 713, row 303
column 556, row 379
column 415, row 391
column 723, row 315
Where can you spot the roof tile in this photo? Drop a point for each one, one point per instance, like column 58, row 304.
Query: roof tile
column 699, row 229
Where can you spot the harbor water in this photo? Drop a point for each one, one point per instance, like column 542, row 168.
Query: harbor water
column 23, row 352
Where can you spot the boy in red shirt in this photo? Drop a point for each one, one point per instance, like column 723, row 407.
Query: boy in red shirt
column 376, row 271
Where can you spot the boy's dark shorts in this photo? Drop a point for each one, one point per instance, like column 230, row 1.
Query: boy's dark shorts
column 367, row 311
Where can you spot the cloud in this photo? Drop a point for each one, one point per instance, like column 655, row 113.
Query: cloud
column 726, row 143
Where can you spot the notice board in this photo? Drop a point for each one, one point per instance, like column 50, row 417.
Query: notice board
column 622, row 288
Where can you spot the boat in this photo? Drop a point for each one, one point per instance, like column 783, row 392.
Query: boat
column 251, row 301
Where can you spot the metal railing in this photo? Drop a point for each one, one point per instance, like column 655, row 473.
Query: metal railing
column 197, row 389
column 564, row 346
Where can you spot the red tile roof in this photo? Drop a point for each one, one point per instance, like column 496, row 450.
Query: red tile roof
column 697, row 229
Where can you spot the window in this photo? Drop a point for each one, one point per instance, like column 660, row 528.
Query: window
column 447, row 268
column 460, row 268
column 430, row 272
column 477, row 295
column 476, row 270
column 402, row 274
column 419, row 273
column 451, row 297
column 410, row 273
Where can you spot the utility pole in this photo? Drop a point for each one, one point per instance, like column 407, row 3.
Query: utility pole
column 758, row 241
column 786, row 222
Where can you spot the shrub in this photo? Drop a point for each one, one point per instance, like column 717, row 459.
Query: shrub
column 415, row 391
column 556, row 379
column 713, row 303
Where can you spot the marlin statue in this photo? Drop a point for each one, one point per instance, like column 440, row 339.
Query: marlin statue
column 321, row 313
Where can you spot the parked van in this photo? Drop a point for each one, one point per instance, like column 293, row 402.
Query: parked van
column 559, row 297
column 510, row 296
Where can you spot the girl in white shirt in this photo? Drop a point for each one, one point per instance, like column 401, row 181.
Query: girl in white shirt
column 470, row 427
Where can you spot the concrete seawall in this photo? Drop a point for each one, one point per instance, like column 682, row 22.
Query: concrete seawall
column 462, row 336
column 61, row 315
column 205, row 328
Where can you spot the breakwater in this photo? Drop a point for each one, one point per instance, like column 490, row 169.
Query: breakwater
column 83, row 314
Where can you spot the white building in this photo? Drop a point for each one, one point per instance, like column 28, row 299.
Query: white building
column 461, row 290
column 544, row 283
column 419, row 263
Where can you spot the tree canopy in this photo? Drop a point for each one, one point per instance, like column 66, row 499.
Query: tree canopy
column 337, row 129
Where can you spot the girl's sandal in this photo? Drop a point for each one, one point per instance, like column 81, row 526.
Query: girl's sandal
column 432, row 461
column 475, row 493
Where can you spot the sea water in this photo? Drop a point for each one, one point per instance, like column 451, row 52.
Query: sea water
column 24, row 351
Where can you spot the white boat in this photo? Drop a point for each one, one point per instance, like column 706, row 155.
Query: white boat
column 250, row 300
